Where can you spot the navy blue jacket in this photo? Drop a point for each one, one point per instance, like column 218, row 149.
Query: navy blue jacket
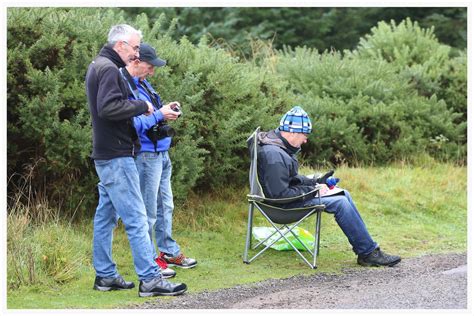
column 278, row 167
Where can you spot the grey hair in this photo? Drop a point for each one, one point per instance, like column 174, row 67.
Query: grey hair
column 122, row 32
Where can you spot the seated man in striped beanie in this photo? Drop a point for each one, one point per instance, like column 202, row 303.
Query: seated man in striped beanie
column 278, row 174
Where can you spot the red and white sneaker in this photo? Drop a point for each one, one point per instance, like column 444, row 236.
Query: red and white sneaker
column 179, row 261
column 165, row 271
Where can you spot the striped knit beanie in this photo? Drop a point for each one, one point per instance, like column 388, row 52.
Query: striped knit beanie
column 296, row 120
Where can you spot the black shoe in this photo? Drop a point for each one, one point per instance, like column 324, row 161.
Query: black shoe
column 378, row 258
column 160, row 287
column 109, row 284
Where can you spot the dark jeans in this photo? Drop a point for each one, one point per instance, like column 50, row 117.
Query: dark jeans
column 348, row 218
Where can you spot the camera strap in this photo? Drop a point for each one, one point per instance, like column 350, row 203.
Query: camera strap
column 132, row 87
column 155, row 100
column 154, row 97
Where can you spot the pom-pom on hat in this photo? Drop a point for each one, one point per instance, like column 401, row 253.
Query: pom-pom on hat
column 296, row 120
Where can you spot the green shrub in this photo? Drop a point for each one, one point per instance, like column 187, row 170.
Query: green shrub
column 413, row 50
column 453, row 86
column 49, row 50
column 398, row 94
column 365, row 110
column 433, row 68
column 223, row 101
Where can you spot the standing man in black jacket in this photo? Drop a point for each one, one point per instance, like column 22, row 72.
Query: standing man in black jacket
column 114, row 140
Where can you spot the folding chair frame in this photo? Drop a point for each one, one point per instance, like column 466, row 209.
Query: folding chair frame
column 283, row 231
column 276, row 215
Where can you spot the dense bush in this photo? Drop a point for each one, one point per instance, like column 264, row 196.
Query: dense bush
column 366, row 105
column 48, row 120
column 367, row 108
column 49, row 124
column 432, row 68
column 453, row 86
column 223, row 101
column 420, row 58
column 415, row 52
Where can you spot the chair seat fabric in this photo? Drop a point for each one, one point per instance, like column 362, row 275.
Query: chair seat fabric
column 287, row 216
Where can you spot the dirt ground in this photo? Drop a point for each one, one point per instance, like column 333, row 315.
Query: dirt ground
column 427, row 282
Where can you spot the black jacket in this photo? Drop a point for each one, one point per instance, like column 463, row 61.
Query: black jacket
column 113, row 132
column 278, row 167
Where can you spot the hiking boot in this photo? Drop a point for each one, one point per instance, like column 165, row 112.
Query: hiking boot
column 179, row 261
column 110, row 284
column 165, row 271
column 160, row 287
column 378, row 258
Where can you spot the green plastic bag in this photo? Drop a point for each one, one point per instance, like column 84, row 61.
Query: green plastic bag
column 260, row 233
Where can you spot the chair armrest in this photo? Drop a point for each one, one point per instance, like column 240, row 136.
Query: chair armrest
column 252, row 197
column 314, row 193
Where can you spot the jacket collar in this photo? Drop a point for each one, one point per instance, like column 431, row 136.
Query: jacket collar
column 289, row 148
column 274, row 137
column 108, row 52
column 127, row 77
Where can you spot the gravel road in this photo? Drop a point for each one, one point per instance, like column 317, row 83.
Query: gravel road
column 432, row 281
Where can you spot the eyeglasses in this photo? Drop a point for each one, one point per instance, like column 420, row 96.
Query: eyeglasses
column 135, row 48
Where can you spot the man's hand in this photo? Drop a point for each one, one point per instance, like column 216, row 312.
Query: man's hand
column 322, row 180
column 150, row 110
column 168, row 113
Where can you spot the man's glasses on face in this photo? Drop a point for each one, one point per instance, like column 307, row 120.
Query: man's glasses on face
column 135, row 48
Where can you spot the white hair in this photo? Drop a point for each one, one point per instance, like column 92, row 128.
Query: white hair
column 122, row 32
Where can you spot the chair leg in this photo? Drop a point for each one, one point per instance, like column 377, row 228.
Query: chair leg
column 300, row 241
column 317, row 230
column 282, row 234
column 318, row 227
column 248, row 240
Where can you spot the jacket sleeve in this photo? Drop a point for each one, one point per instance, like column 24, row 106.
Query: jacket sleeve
column 143, row 122
column 278, row 182
column 300, row 179
column 111, row 104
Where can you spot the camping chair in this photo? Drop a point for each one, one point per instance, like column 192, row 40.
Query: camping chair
column 287, row 218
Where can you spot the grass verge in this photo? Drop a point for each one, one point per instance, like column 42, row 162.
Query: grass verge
column 408, row 210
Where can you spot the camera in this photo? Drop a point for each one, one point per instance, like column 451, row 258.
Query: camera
column 176, row 107
column 159, row 131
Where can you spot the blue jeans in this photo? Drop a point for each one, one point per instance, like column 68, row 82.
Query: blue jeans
column 349, row 220
column 119, row 196
column 155, row 183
